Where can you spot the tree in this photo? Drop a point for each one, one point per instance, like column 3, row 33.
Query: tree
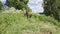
column 18, row 4
column 52, row 9
column 57, row 4
column 48, row 4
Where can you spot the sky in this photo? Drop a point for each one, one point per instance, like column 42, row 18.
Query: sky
column 35, row 5
column 3, row 1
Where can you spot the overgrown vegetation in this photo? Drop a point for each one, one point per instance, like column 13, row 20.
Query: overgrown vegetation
column 13, row 21
column 17, row 23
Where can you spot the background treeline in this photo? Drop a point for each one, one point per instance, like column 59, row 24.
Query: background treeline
column 18, row 4
column 52, row 8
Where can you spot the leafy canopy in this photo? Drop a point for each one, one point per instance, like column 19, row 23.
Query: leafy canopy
column 18, row 4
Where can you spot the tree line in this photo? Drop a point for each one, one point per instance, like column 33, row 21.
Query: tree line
column 52, row 8
column 18, row 4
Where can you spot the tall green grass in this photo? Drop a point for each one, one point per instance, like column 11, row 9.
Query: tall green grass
column 17, row 23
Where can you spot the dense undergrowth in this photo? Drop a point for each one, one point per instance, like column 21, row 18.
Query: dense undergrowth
column 17, row 23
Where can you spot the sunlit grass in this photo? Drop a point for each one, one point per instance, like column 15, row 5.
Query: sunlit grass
column 17, row 23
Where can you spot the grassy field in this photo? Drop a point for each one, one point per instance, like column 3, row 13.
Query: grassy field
column 17, row 23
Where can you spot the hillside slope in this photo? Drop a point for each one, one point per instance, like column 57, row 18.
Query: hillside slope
column 17, row 23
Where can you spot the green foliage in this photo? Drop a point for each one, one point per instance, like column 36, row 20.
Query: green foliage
column 0, row 6
column 25, row 1
column 16, row 23
column 52, row 8
column 58, row 9
column 18, row 4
